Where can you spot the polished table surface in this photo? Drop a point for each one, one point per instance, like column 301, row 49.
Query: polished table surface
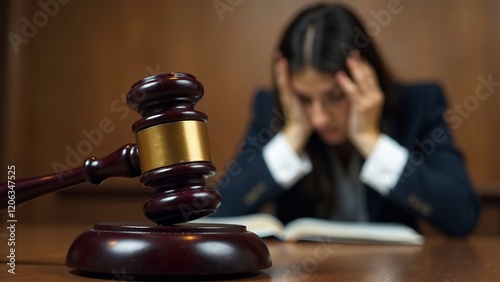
column 41, row 251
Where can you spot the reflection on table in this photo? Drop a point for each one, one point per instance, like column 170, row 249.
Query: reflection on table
column 41, row 251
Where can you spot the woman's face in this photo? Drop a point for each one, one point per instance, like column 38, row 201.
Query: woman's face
column 325, row 104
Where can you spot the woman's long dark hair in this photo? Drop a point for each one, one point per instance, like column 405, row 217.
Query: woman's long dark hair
column 336, row 32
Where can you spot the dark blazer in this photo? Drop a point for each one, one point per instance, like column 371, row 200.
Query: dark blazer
column 434, row 184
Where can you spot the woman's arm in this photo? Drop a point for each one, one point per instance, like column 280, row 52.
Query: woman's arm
column 256, row 175
column 434, row 183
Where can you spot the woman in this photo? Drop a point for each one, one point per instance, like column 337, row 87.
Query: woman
column 347, row 143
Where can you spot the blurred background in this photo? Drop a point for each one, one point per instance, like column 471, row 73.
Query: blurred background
column 66, row 67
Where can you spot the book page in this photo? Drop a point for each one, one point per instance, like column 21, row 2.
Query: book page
column 264, row 225
column 326, row 230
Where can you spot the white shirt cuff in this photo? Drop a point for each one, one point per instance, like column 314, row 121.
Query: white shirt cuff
column 384, row 166
column 285, row 166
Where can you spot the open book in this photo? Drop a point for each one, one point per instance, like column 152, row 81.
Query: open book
column 312, row 229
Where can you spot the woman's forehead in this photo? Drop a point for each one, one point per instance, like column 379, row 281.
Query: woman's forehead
column 311, row 82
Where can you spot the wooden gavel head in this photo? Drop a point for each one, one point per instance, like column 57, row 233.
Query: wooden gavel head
column 173, row 148
column 172, row 154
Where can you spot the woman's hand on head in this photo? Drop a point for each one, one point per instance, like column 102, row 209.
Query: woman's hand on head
column 367, row 100
column 297, row 128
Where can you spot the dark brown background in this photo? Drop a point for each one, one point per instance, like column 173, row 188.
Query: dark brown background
column 68, row 78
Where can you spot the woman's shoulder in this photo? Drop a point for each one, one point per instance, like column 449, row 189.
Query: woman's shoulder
column 264, row 100
column 426, row 93
column 424, row 88
column 418, row 106
column 264, row 95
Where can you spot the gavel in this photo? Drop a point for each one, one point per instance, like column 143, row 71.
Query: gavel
column 172, row 156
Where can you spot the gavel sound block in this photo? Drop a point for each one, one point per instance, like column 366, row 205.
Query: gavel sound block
column 172, row 156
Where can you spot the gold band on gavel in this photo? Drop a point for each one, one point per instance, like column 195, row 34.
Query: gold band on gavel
column 173, row 143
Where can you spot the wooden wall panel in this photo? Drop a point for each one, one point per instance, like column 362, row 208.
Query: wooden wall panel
column 74, row 72
column 3, row 68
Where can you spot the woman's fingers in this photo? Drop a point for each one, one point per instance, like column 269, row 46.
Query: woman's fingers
column 289, row 102
column 363, row 74
column 348, row 86
column 297, row 128
column 366, row 103
column 282, row 80
column 282, row 77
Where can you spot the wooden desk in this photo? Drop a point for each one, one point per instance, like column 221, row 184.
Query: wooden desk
column 41, row 251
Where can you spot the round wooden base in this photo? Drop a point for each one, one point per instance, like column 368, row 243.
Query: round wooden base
column 182, row 249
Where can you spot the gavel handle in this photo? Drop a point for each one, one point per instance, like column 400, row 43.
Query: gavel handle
column 124, row 162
